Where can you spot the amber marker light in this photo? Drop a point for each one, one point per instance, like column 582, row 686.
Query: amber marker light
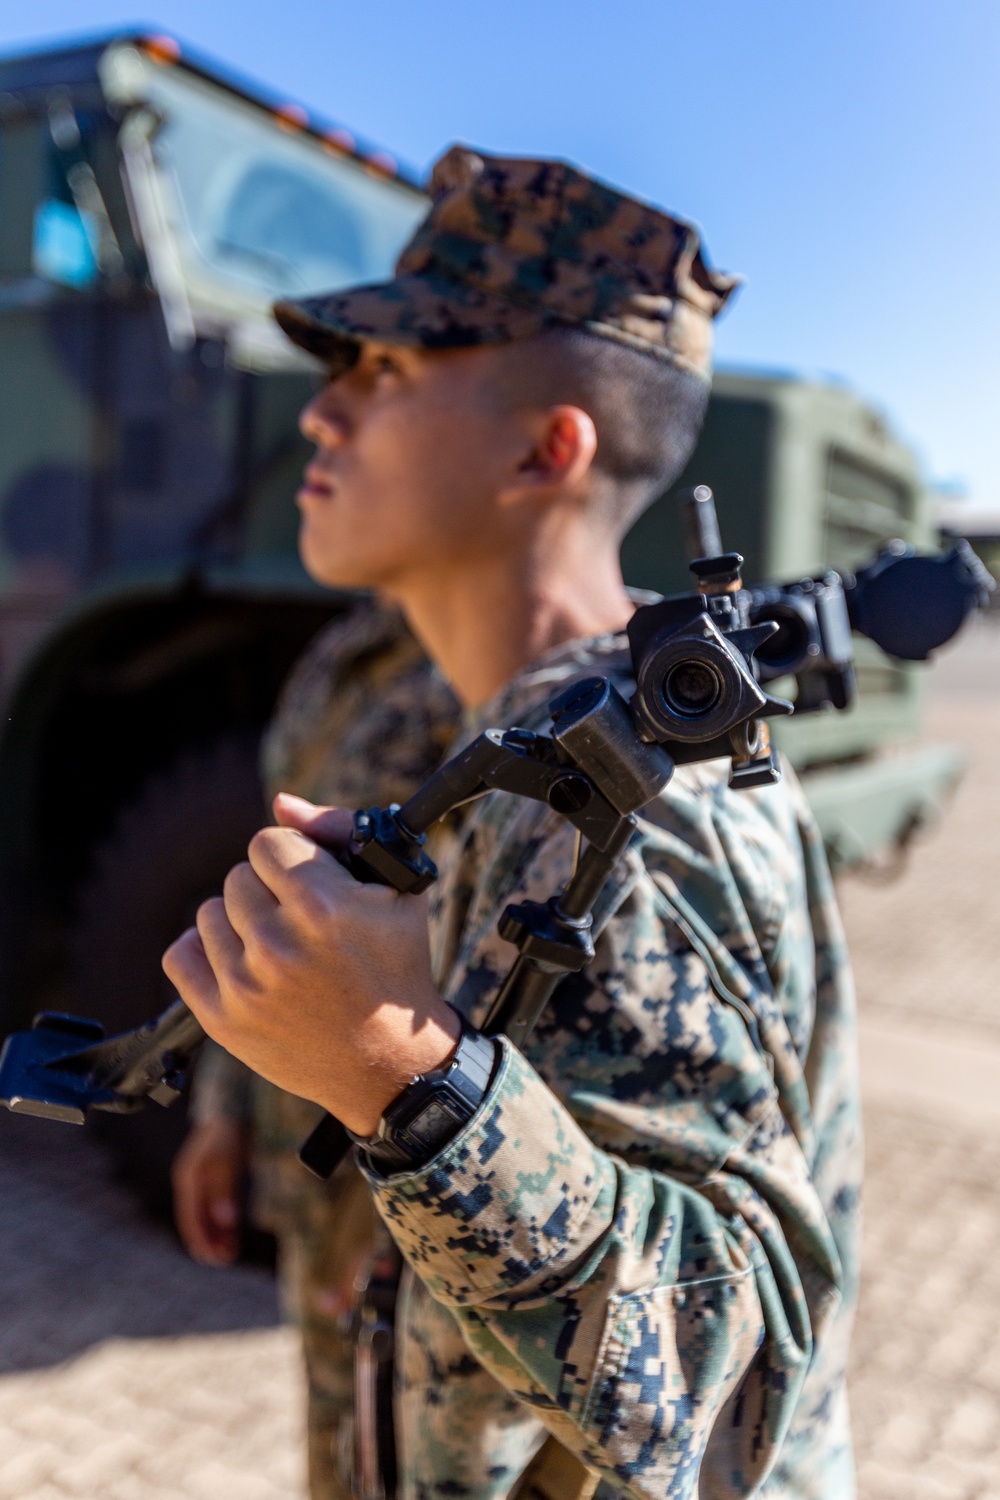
column 382, row 164
column 291, row 117
column 161, row 49
column 340, row 141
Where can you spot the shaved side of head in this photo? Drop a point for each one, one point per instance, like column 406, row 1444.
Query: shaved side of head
column 647, row 411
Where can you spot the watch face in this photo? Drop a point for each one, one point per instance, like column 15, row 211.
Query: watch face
column 434, row 1123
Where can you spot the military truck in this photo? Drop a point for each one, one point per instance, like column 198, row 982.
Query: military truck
column 151, row 598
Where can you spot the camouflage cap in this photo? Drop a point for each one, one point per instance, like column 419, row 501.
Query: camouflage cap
column 512, row 246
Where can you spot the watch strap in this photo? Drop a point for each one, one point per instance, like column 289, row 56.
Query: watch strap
column 433, row 1108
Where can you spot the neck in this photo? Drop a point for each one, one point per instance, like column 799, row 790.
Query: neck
column 483, row 621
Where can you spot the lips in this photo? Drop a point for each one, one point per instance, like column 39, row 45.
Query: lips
column 317, row 486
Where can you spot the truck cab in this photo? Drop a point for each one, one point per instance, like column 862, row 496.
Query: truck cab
column 151, row 597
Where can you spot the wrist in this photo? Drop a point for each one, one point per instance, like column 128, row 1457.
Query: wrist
column 413, row 1052
column 433, row 1109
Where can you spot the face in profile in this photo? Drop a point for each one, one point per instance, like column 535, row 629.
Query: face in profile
column 410, row 453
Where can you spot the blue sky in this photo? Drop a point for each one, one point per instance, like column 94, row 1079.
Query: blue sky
column 843, row 157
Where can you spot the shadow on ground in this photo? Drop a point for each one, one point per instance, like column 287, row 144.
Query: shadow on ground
column 80, row 1263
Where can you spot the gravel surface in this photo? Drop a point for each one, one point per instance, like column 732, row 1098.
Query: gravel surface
column 128, row 1373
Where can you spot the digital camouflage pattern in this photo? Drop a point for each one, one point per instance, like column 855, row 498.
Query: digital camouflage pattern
column 512, row 246
column 648, row 1234
column 363, row 719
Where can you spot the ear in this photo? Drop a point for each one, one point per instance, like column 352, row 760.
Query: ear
column 563, row 445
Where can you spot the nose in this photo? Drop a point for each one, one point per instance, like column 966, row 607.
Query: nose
column 322, row 420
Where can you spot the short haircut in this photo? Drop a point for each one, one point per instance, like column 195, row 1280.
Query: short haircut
column 647, row 411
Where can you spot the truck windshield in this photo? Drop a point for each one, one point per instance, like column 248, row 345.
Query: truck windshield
column 274, row 211
column 236, row 210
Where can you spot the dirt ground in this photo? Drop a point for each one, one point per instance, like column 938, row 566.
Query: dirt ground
column 127, row 1373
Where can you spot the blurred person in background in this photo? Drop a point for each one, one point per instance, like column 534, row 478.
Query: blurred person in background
column 363, row 720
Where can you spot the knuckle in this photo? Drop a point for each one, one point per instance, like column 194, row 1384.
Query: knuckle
column 318, row 907
column 236, row 879
column 306, row 898
column 261, row 952
column 261, row 846
column 272, row 956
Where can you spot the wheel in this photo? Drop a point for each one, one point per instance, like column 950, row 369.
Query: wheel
column 168, row 850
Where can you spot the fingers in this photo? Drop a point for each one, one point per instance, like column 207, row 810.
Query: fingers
column 222, row 944
column 329, row 826
column 338, row 1297
column 206, row 1175
column 290, row 863
column 186, row 965
column 249, row 904
column 188, row 1217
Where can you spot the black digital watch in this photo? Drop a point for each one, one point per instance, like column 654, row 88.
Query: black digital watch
column 433, row 1107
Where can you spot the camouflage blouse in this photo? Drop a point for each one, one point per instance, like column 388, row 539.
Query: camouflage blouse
column 647, row 1236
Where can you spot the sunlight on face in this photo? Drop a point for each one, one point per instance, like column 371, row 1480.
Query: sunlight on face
column 410, row 452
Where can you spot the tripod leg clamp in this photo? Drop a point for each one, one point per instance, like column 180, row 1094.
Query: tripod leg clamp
column 540, row 932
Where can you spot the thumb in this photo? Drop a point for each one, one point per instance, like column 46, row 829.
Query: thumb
column 329, row 826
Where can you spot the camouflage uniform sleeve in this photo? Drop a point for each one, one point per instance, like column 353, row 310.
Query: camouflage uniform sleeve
column 612, row 1299
column 221, row 1088
column 659, row 1321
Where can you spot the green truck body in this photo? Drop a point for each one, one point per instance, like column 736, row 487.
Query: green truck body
column 151, row 598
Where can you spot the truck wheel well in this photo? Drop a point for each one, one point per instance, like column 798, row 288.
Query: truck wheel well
column 114, row 698
column 168, row 849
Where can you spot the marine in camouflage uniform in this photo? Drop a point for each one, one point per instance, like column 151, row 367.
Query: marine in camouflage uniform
column 649, row 1233
column 645, row 1241
column 363, row 719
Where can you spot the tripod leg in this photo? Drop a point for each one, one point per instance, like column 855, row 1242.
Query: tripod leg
column 522, row 997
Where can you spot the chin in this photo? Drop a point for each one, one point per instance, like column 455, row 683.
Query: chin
column 319, row 560
column 333, row 566
column 327, row 572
